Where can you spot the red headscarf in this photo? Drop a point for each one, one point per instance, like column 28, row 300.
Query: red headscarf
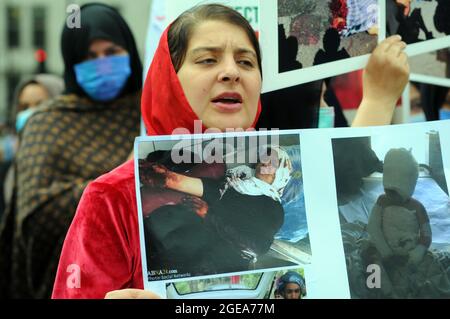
column 164, row 105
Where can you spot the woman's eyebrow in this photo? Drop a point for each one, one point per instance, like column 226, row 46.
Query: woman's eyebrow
column 110, row 49
column 206, row 49
column 215, row 49
column 246, row 51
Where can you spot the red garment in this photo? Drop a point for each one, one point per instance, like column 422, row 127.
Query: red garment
column 349, row 89
column 103, row 240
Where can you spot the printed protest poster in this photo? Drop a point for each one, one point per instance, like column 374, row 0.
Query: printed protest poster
column 307, row 40
column 347, row 213
column 248, row 8
column 423, row 24
column 219, row 206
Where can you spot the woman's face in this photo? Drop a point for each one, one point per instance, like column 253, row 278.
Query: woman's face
column 220, row 76
column 100, row 48
column 32, row 95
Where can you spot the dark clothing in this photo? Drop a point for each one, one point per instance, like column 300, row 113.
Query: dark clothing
column 327, row 57
column 432, row 97
column 407, row 26
column 252, row 221
column 393, row 11
column 330, row 98
column 4, row 167
column 178, row 239
column 295, row 107
column 353, row 160
column 66, row 144
column 98, row 21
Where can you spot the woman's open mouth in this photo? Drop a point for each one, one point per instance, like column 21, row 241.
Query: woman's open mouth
column 228, row 102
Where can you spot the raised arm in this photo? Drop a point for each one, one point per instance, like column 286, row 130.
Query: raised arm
column 185, row 184
column 158, row 175
column 384, row 80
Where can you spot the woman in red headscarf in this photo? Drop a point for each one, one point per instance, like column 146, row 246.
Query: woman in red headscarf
column 207, row 67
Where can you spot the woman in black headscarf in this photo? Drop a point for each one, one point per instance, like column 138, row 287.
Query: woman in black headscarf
column 98, row 22
column 68, row 142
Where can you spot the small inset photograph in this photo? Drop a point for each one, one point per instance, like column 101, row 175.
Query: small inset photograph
column 289, row 284
column 394, row 214
column 283, row 284
column 314, row 32
column 221, row 206
column 418, row 20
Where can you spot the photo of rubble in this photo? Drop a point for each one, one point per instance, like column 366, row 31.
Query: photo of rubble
column 315, row 32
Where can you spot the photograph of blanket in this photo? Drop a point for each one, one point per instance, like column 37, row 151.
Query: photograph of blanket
column 394, row 214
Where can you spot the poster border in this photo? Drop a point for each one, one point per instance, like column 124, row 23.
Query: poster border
column 429, row 79
column 159, row 286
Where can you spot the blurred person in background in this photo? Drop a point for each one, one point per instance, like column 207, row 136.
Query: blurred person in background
column 84, row 133
column 291, row 286
column 30, row 92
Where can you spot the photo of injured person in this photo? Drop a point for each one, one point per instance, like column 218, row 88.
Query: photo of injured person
column 211, row 208
column 394, row 215
column 314, row 32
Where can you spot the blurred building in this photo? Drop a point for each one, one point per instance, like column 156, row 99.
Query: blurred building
column 29, row 25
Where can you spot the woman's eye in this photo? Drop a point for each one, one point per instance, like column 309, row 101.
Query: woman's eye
column 111, row 51
column 207, row 61
column 246, row 63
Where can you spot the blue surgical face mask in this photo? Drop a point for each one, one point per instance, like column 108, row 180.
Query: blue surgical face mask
column 103, row 79
column 22, row 118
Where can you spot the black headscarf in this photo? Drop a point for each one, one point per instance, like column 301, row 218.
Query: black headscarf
column 98, row 21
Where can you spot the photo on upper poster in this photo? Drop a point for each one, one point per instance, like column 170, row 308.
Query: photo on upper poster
column 316, row 39
column 423, row 24
column 431, row 67
column 282, row 284
column 393, row 208
column 215, row 205
column 316, row 32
